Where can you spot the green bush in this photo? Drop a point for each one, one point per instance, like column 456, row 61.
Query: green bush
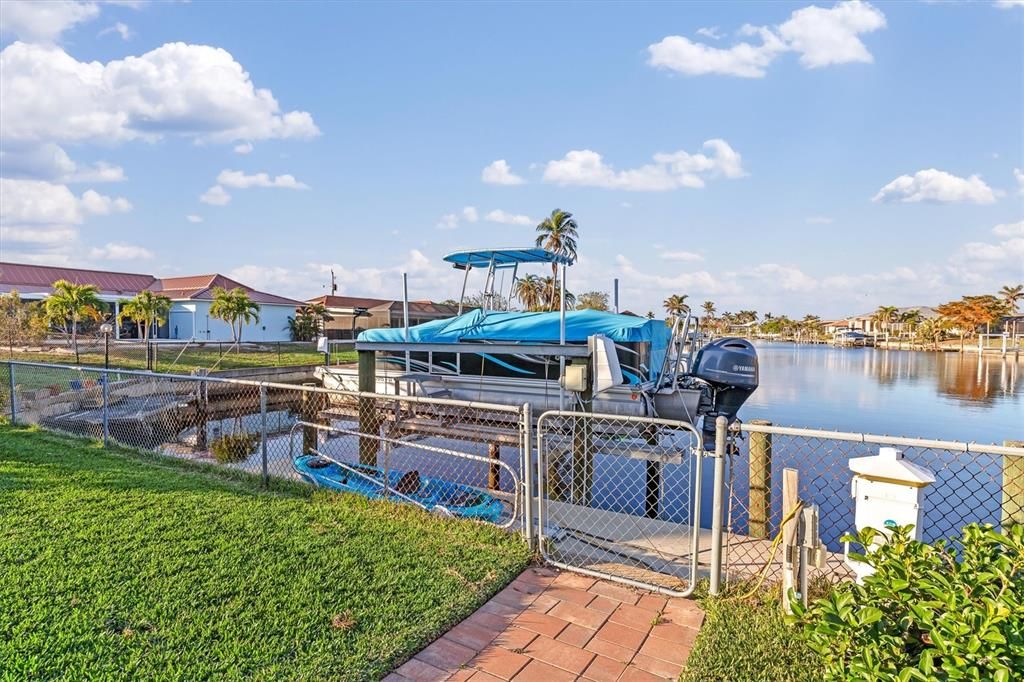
column 233, row 447
column 929, row 612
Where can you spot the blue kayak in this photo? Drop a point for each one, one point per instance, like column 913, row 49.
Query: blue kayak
column 460, row 500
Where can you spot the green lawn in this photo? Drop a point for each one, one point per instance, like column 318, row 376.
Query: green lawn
column 119, row 565
column 748, row 640
column 171, row 359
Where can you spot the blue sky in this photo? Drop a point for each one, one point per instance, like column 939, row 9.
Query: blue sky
column 825, row 159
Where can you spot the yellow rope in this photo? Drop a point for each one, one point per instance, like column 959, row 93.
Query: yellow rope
column 771, row 555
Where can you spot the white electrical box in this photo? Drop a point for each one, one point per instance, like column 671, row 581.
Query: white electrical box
column 888, row 491
column 575, row 378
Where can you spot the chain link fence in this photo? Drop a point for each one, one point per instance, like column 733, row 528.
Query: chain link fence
column 619, row 497
column 974, row 484
column 629, row 498
column 179, row 356
column 459, row 455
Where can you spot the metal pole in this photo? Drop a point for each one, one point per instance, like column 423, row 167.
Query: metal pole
column 526, row 466
column 263, row 435
column 616, row 289
column 14, row 406
column 561, row 341
column 462, row 297
column 717, row 506
column 106, row 408
column 405, row 314
column 106, row 350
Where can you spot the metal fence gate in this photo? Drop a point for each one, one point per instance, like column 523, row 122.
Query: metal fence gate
column 619, row 497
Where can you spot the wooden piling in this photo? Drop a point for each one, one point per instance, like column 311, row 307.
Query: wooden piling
column 369, row 422
column 760, row 466
column 309, row 410
column 1013, row 487
column 652, row 477
column 494, row 470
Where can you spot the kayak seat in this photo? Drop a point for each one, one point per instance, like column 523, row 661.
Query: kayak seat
column 409, row 483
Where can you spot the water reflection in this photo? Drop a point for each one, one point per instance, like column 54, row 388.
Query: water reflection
column 941, row 395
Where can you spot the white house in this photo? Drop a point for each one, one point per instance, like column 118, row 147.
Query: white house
column 190, row 300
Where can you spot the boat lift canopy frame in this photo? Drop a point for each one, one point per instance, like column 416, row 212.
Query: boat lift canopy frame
column 502, row 258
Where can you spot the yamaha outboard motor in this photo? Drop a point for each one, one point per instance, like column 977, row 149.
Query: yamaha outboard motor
column 729, row 367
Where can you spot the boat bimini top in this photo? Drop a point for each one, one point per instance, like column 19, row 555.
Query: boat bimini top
column 506, row 257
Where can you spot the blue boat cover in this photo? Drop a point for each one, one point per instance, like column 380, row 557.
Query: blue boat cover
column 518, row 327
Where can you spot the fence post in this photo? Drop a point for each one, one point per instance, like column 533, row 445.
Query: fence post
column 494, row 469
column 368, row 422
column 790, row 498
column 760, row 480
column 14, row 406
column 263, row 435
column 105, row 376
column 526, row 467
column 718, row 506
column 1013, row 487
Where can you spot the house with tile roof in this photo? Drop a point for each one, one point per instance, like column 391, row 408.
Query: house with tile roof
column 190, row 296
column 351, row 314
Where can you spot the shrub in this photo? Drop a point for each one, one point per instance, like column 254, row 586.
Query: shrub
column 233, row 447
column 929, row 612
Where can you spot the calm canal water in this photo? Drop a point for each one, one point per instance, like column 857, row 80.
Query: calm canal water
column 952, row 396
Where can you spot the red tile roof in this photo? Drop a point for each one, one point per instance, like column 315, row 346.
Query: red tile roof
column 40, row 278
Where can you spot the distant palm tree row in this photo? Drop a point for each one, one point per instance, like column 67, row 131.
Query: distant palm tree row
column 70, row 304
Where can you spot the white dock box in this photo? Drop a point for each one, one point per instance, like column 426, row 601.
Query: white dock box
column 888, row 491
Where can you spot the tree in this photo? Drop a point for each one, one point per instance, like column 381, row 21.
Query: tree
column 528, row 291
column 20, row 322
column 558, row 234
column 73, row 303
column 709, row 309
column 970, row 312
column 592, row 300
column 650, row 314
column 675, row 305
column 234, row 307
column 884, row 316
column 1012, row 295
column 145, row 309
column 309, row 322
column 550, row 295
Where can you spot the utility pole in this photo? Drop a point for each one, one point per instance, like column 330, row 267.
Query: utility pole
column 334, row 283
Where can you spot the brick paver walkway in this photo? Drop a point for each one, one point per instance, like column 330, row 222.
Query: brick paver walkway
column 550, row 626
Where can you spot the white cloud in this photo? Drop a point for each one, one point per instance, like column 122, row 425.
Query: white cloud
column 788, row 278
column 119, row 28
column 44, row 21
column 669, row 171
column 243, row 148
column 264, row 278
column 681, row 256
column 933, row 185
column 1018, row 175
column 177, row 89
column 822, row 36
column 818, row 220
column 1009, row 229
column 50, row 162
column 47, row 215
column 449, row 221
column 500, row 216
column 215, row 196
column 239, row 180
column 710, row 32
column 499, row 173
column 193, row 218
column 470, row 214
column 1008, row 4
column 99, row 204
column 119, row 251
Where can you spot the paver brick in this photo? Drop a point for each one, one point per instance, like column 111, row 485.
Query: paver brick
column 611, row 650
column 418, row 671
column 622, row 635
column 617, row 592
column 571, row 594
column 576, row 635
column 538, row 671
column 580, row 615
column 541, row 623
column 446, row 654
column 657, row 666
column 634, row 617
column 634, row 674
column 560, row 654
column 501, row 663
column 603, row 669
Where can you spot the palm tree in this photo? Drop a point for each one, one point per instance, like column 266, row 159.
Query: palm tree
column 528, row 290
column 650, row 314
column 550, row 298
column 558, row 234
column 709, row 309
column 145, row 309
column 73, row 302
column 1012, row 295
column 885, row 315
column 675, row 305
column 234, row 307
